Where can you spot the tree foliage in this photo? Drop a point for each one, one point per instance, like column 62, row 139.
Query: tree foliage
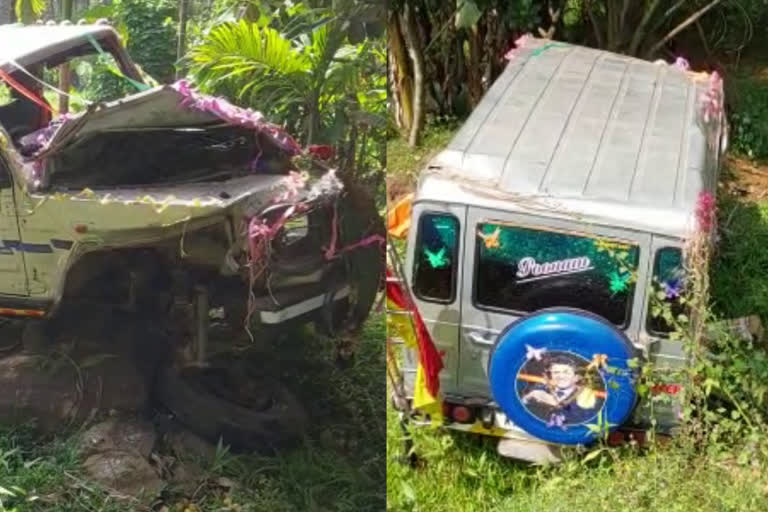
column 460, row 44
column 306, row 67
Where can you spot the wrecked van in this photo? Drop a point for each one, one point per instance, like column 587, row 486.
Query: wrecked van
column 175, row 205
column 541, row 234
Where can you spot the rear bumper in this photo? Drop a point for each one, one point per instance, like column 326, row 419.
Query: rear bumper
column 489, row 420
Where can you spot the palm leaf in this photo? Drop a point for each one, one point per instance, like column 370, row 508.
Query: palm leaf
column 28, row 11
column 254, row 61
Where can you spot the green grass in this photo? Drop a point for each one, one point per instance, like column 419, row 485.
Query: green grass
column 739, row 279
column 340, row 466
column 403, row 160
column 462, row 472
column 459, row 472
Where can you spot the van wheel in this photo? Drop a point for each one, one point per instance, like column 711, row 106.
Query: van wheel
column 221, row 403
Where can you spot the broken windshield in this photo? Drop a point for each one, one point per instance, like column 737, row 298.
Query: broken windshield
column 92, row 72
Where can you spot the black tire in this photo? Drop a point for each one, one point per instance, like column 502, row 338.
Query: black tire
column 278, row 423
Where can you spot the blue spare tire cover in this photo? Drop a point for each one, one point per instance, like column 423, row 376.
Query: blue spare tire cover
column 559, row 371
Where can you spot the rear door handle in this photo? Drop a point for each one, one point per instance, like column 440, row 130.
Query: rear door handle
column 480, row 339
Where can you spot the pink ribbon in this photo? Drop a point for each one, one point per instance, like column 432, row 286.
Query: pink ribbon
column 520, row 43
column 235, row 115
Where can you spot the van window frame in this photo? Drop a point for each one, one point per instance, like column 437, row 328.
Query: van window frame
column 519, row 313
column 455, row 260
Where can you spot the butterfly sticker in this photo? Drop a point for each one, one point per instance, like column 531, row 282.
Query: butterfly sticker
column 534, row 353
column 598, row 361
column 556, row 420
column 436, row 259
column 673, row 288
column 491, row 239
column 619, row 282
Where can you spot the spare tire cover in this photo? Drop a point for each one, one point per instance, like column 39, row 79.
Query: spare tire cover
column 560, row 373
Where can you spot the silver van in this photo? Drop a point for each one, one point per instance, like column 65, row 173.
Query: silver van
column 539, row 234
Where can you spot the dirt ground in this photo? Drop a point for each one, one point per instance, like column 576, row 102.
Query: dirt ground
column 745, row 178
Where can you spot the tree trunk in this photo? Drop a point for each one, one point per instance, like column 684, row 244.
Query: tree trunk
column 360, row 167
column 402, row 83
column 641, row 29
column 595, row 22
column 682, row 26
column 474, row 69
column 313, row 118
column 65, row 73
column 181, row 49
column 417, row 59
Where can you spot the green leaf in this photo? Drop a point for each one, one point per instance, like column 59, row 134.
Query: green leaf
column 410, row 495
column 592, row 455
column 28, row 11
column 6, row 492
column 467, row 14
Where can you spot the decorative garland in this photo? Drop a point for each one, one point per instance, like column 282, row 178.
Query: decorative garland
column 235, row 115
column 520, row 44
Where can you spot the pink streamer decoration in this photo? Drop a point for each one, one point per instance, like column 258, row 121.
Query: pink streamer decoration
column 712, row 99
column 235, row 115
column 520, row 43
column 706, row 209
column 712, row 108
column 294, row 182
column 682, row 64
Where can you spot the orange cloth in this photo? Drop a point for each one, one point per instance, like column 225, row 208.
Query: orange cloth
column 399, row 217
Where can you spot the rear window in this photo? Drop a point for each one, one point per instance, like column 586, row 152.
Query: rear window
column 435, row 260
column 668, row 287
column 523, row 270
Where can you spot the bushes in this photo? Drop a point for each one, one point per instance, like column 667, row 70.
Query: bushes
column 749, row 117
column 152, row 30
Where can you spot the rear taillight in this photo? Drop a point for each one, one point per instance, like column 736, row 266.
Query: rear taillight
column 462, row 414
column 620, row 437
column 616, row 438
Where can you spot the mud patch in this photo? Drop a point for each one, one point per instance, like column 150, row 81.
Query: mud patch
column 116, row 455
column 746, row 179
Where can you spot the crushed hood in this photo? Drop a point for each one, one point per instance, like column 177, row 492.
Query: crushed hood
column 167, row 106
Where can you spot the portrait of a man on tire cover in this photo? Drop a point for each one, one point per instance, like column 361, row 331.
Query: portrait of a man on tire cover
column 564, row 398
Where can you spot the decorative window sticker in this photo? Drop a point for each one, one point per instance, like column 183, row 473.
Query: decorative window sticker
column 523, row 269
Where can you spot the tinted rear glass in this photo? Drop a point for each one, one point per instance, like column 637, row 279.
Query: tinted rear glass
column 524, row 270
column 668, row 287
column 435, row 261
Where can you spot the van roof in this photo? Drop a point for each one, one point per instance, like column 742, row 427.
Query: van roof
column 615, row 139
column 27, row 44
